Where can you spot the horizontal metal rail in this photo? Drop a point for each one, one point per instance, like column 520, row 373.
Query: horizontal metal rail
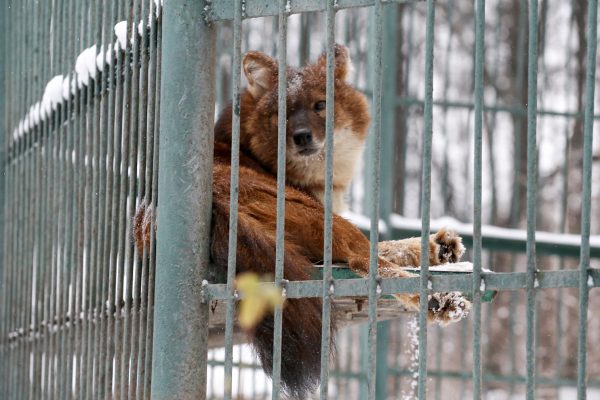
column 504, row 281
column 224, row 9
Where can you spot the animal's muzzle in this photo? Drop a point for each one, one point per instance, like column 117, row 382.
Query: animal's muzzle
column 303, row 137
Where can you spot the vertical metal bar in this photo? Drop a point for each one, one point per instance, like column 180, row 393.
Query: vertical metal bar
column 136, row 189
column 426, row 199
column 46, row 235
column 130, row 261
column 70, row 216
column 4, row 135
column 103, row 304
column 149, row 45
column 185, row 189
column 96, row 103
column 124, row 110
column 156, row 38
column 113, row 185
column 62, row 328
column 8, row 214
column 18, row 304
column 375, row 190
column 477, row 178
column 584, row 263
column 328, row 282
column 233, row 196
column 280, row 224
column 531, row 198
column 80, row 316
column 26, row 264
column 110, row 79
column 383, row 341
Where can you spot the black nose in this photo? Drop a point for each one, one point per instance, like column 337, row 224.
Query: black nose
column 302, row 137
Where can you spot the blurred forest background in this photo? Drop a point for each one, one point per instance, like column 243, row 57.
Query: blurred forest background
column 561, row 84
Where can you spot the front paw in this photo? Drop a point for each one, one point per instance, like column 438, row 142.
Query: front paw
column 445, row 308
column 445, row 247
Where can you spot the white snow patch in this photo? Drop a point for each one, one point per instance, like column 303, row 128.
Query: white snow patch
column 465, row 229
column 157, row 7
column 363, row 222
column 104, row 57
column 52, row 95
column 85, row 66
column 121, row 34
column 66, row 93
column 35, row 113
column 413, row 352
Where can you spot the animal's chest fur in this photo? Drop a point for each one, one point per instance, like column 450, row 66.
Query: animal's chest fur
column 348, row 147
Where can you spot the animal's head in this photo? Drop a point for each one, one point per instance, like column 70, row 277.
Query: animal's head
column 305, row 109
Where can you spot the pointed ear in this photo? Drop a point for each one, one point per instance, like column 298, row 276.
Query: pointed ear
column 342, row 63
column 260, row 71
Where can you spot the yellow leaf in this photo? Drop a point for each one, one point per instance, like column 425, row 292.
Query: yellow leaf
column 258, row 298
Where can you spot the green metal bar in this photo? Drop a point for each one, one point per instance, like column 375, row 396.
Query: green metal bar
column 374, row 285
column 124, row 120
column 71, row 215
column 280, row 224
column 80, row 99
column 63, row 273
column 185, row 190
column 100, row 166
column 531, row 198
column 328, row 282
column 112, row 195
column 477, row 174
column 426, row 199
column 130, row 261
column 511, row 281
column 140, row 75
column 584, row 265
column 233, row 196
column 19, row 303
column 157, row 36
column 4, row 138
column 382, row 373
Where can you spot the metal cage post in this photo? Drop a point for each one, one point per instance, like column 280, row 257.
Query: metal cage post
column 185, row 194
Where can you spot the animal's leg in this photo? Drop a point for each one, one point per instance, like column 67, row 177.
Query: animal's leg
column 445, row 246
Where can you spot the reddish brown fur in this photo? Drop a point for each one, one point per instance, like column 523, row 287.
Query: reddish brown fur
column 303, row 211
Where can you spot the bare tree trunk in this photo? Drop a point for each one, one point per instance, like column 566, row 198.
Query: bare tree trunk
column 517, row 37
column 401, row 118
column 575, row 158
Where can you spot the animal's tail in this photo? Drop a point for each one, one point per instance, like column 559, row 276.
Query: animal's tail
column 301, row 325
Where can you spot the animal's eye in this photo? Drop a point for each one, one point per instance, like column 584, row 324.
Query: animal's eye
column 320, row 105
